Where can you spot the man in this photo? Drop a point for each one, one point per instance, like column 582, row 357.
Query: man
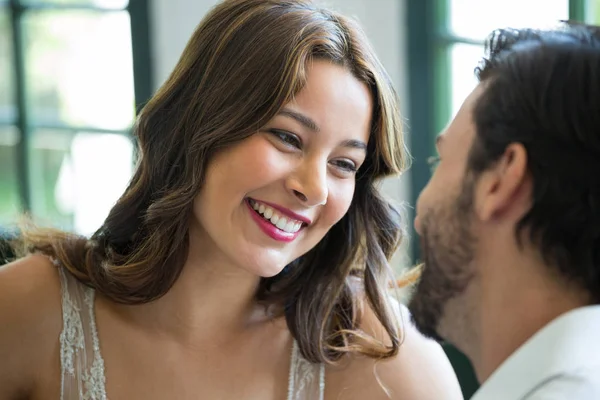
column 510, row 220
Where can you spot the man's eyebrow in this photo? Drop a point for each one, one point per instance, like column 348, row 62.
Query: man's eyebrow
column 303, row 119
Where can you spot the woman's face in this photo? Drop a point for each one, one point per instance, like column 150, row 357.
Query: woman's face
column 271, row 198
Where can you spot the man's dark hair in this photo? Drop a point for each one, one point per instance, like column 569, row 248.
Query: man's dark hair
column 542, row 89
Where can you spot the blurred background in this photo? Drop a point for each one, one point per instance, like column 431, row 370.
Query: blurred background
column 74, row 72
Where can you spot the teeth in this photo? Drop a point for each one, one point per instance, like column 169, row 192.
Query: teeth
column 281, row 222
column 289, row 226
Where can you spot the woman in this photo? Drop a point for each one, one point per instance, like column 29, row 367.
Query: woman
column 248, row 258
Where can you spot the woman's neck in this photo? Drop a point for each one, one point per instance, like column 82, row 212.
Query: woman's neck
column 210, row 299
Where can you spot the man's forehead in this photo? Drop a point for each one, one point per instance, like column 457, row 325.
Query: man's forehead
column 463, row 124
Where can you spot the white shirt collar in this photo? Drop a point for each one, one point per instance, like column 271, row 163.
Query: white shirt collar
column 567, row 343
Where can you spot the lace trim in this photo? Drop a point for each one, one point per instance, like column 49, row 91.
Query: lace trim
column 71, row 337
column 302, row 374
column 292, row 374
column 80, row 379
column 94, row 380
column 321, row 382
column 304, row 369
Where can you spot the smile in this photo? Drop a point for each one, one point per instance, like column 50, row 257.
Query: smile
column 274, row 223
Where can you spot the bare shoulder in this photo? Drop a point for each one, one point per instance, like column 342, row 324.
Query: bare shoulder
column 30, row 316
column 420, row 370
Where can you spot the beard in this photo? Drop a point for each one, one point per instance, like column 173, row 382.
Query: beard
column 447, row 246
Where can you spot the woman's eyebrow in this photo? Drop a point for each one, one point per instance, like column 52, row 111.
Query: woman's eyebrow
column 303, row 119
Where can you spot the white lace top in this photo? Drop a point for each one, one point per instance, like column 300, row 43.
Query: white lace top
column 82, row 366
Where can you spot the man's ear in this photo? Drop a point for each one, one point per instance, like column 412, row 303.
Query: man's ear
column 504, row 185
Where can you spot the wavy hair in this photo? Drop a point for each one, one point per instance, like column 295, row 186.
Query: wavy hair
column 244, row 62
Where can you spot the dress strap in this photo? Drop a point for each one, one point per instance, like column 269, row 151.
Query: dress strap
column 306, row 380
column 82, row 366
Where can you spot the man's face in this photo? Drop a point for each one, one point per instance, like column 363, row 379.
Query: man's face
column 446, row 224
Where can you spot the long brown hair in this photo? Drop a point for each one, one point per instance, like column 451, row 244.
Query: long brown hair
column 245, row 61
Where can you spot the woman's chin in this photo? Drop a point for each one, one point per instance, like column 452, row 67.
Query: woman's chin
column 267, row 272
column 263, row 264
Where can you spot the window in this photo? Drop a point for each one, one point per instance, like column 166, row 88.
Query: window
column 445, row 44
column 67, row 103
column 593, row 12
column 468, row 22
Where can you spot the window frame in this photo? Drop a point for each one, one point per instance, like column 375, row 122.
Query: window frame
column 138, row 10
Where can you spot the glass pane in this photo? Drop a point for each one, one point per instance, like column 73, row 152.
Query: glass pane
column 476, row 19
column 113, row 4
column 79, row 68
column 72, row 184
column 9, row 182
column 7, row 89
column 463, row 60
column 593, row 12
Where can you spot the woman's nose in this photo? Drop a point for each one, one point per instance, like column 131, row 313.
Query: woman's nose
column 309, row 184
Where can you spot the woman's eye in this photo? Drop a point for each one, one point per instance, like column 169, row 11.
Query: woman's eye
column 433, row 162
column 345, row 165
column 289, row 139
